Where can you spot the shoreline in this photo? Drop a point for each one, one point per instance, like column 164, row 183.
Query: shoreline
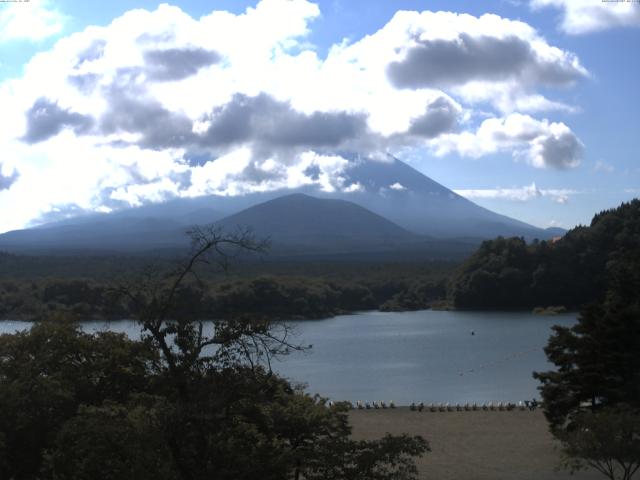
column 31, row 319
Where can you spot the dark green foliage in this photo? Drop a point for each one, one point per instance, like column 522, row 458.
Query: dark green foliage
column 88, row 407
column 573, row 271
column 597, row 362
column 47, row 373
column 113, row 441
column 607, row 440
column 597, row 359
column 193, row 400
column 385, row 459
column 592, row 399
column 284, row 294
column 289, row 297
column 416, row 296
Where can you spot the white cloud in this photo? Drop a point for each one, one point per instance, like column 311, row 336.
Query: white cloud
column 354, row 187
column 520, row 194
column 398, row 187
column 479, row 59
column 32, row 20
column 116, row 115
column 587, row 16
column 542, row 143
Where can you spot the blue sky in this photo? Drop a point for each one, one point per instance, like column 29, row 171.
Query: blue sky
column 530, row 111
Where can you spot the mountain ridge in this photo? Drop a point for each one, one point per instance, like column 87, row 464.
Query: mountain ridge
column 419, row 209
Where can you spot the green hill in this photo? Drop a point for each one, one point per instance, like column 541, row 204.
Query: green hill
column 575, row 270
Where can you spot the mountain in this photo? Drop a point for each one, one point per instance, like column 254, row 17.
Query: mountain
column 414, row 201
column 295, row 223
column 301, row 223
column 395, row 205
column 98, row 235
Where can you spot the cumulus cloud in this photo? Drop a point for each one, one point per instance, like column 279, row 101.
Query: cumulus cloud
column 46, row 119
column 269, row 125
column 587, row 16
column 239, row 173
column 148, row 123
column 480, row 59
column 33, row 20
column 159, row 104
column 457, row 61
column 177, row 63
column 441, row 116
column 265, row 124
column 541, row 143
column 520, row 194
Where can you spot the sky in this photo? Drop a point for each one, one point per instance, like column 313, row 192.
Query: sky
column 526, row 107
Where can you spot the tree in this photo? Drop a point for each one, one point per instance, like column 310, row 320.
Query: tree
column 607, row 440
column 47, row 373
column 113, row 441
column 573, row 271
column 592, row 399
column 596, row 359
column 193, row 400
column 389, row 458
column 254, row 424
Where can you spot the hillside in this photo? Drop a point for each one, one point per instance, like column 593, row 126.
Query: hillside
column 98, row 235
column 573, row 271
column 303, row 223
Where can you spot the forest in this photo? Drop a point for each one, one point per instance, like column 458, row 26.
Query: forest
column 278, row 291
column 575, row 270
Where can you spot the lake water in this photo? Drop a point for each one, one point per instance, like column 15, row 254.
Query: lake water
column 428, row 356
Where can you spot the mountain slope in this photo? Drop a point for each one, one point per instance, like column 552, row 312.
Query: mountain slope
column 414, row 201
column 302, row 222
column 125, row 234
column 393, row 190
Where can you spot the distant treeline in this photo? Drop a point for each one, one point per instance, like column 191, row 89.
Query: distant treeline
column 270, row 296
column 572, row 271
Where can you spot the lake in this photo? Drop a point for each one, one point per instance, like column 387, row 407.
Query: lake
column 428, row 356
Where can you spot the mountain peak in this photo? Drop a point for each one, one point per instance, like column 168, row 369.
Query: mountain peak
column 303, row 220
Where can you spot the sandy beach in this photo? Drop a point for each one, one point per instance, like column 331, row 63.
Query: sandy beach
column 480, row 445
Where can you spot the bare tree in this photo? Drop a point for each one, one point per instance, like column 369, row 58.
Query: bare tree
column 168, row 307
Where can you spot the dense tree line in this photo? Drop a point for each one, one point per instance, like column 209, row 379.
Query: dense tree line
column 192, row 400
column 278, row 297
column 592, row 398
column 573, row 271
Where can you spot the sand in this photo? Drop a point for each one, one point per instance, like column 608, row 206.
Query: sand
column 481, row 445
